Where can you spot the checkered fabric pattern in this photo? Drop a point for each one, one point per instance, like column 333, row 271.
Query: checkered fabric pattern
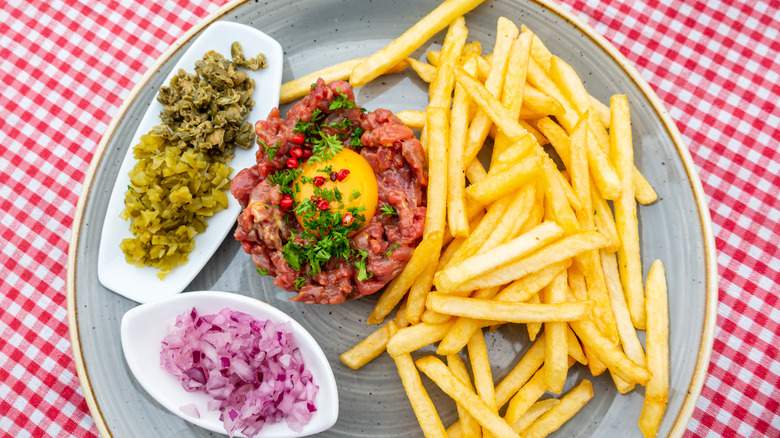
column 67, row 65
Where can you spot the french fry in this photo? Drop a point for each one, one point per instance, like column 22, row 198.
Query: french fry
column 366, row 350
column 468, row 424
column 575, row 350
column 477, row 265
column 601, row 110
column 504, row 182
column 537, row 104
column 556, row 353
column 456, row 205
column 409, row 41
column 415, row 337
column 555, row 252
column 621, row 149
column 423, row 407
column 525, row 368
column 298, row 88
column 480, row 124
column 443, row 377
column 558, row 201
column 514, row 87
column 482, row 231
column 438, row 129
column 607, row 352
column 412, row 119
column 657, row 392
column 523, row 288
column 395, row 291
column 477, row 308
column 495, row 111
column 519, row 212
column 422, row 285
column 535, row 411
column 528, row 395
column 625, row 328
column 432, row 317
column 570, row 404
column 535, row 326
column 483, row 377
column 604, row 221
column 427, row 72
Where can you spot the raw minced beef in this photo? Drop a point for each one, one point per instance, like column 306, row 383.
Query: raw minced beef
column 398, row 161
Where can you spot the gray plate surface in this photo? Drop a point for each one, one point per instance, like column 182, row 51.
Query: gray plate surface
column 315, row 34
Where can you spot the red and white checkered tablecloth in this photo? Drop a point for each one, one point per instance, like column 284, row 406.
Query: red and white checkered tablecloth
column 67, row 66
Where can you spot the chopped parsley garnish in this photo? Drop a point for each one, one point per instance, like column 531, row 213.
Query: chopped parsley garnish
column 341, row 101
column 354, row 195
column 285, row 179
column 324, row 236
column 387, row 209
column 391, row 250
column 325, row 148
column 269, row 150
column 262, row 271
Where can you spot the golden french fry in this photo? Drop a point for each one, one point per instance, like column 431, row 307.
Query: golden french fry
column 517, row 214
column 432, row 317
column 535, row 411
column 528, row 395
column 609, row 353
column 409, row 41
column 580, row 178
column 366, row 350
column 605, row 222
column 525, row 368
column 558, row 201
column 539, row 51
column 537, row 104
column 570, row 404
column 460, row 334
column 597, row 291
column 601, row 110
column 400, row 316
column 422, row 285
column 643, row 191
column 651, row 416
column 523, row 288
column 421, row 402
column 395, row 291
column 416, row 336
column 504, row 182
column 494, row 110
column 555, row 252
column 477, row 308
column 468, row 424
column 557, row 351
column 622, row 151
column 450, row 384
column 480, row 124
column 533, row 327
column 456, row 192
column 427, row 72
column 412, row 119
column 574, row 347
column 438, row 129
column 479, row 264
column 481, row 232
column 625, row 328
column 657, row 334
column 480, row 367
column 298, row 88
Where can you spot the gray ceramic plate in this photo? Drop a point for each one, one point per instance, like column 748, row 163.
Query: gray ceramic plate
column 317, row 33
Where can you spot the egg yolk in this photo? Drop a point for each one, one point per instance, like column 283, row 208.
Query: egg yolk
column 358, row 189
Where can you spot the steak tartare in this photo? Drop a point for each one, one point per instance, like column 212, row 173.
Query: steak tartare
column 336, row 244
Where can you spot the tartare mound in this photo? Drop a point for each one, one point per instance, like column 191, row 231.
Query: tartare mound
column 377, row 250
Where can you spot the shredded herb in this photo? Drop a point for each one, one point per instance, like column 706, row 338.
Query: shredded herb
column 391, row 250
column 341, row 101
column 354, row 195
column 299, row 282
column 262, row 271
column 387, row 209
column 285, row 178
column 325, row 148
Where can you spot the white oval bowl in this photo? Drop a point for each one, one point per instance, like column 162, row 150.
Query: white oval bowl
column 144, row 327
column 142, row 284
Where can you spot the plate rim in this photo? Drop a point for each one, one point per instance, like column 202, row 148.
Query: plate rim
column 708, row 239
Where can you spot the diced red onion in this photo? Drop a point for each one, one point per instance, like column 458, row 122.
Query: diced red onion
column 249, row 367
